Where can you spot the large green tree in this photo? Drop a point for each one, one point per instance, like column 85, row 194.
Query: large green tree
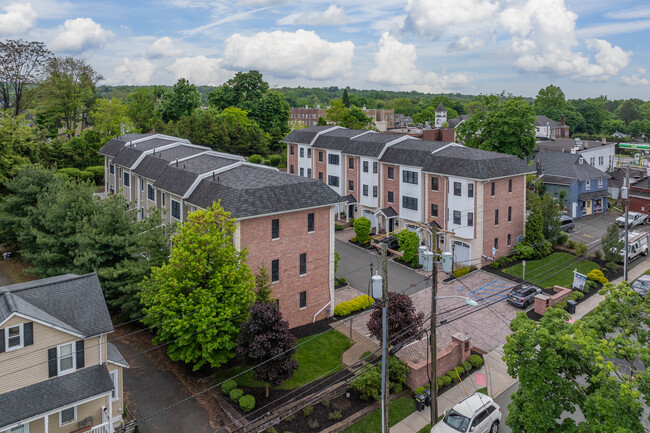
column 183, row 99
column 18, row 143
column 198, row 300
column 594, row 368
column 504, row 125
column 612, row 243
column 549, row 99
column 110, row 118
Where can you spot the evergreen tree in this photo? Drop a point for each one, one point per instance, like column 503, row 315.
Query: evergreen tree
column 263, row 287
column 346, row 98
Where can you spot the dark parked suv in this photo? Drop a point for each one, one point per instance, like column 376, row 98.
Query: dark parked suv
column 524, row 295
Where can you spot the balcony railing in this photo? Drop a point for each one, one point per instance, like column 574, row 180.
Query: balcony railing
column 102, row 428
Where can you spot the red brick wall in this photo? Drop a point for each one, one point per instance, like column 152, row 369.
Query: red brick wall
column 440, row 134
column 294, row 240
column 319, row 166
column 292, row 159
column 456, row 353
column 352, row 175
column 391, row 185
column 437, row 197
column 640, row 205
column 501, row 200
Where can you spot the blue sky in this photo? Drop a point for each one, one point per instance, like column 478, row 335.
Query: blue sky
column 587, row 47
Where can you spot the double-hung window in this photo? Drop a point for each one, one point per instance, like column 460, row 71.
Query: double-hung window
column 375, row 167
column 310, row 222
column 587, row 185
column 309, row 152
column 303, row 263
column 303, row 300
column 141, row 184
column 111, row 168
column 350, row 185
column 115, row 378
column 302, row 171
column 457, row 217
column 351, row 163
column 275, row 270
column 509, row 185
column 410, row 177
column 470, row 219
column 127, row 179
column 320, row 156
column 496, row 217
column 365, row 190
column 151, row 192
column 600, row 183
column 333, row 181
column 470, row 190
column 374, row 191
column 390, row 196
column 275, row 228
column 391, row 172
column 365, row 166
column 333, row 159
column 509, row 213
column 14, row 337
column 67, row 416
column 458, row 189
column 302, row 152
column 434, row 210
column 176, row 209
column 492, row 189
column 410, row 203
column 434, row 184
column 66, row 358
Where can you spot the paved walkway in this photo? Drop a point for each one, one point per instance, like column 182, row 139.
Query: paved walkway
column 495, row 369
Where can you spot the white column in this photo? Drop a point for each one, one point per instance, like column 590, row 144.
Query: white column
column 110, row 414
column 46, row 419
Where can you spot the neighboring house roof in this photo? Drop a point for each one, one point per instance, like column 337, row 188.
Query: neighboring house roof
column 115, row 357
column 389, row 212
column 154, row 164
column 566, row 144
column 411, row 152
column 247, row 190
column 545, row 121
column 74, row 303
column 177, row 179
column 453, row 123
column 558, row 180
column 440, row 108
column 349, row 199
column 114, row 145
column 305, row 135
column 567, row 165
column 42, row 397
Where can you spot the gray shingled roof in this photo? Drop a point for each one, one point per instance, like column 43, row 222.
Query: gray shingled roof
column 370, row 144
column 206, row 163
column 115, row 356
column 178, row 180
column 127, row 156
column 592, row 195
column 464, row 161
column 72, row 302
column 566, row 144
column 543, row 121
column 567, row 165
column 42, row 397
column 114, row 145
column 440, row 107
column 558, row 180
column 338, row 139
column 389, row 212
column 304, row 136
column 248, row 191
column 411, row 152
column 453, row 123
column 152, row 165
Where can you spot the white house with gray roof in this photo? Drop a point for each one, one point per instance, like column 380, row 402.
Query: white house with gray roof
column 59, row 373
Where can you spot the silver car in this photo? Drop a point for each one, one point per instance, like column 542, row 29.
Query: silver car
column 566, row 223
column 524, row 295
column 641, row 285
column 478, row 413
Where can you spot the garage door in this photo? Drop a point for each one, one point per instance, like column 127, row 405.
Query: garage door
column 461, row 253
column 371, row 216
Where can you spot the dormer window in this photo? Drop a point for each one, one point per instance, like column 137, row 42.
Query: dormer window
column 580, row 161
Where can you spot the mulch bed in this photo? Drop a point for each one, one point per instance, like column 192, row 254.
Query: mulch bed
column 312, row 328
column 537, row 317
column 365, row 245
column 408, row 265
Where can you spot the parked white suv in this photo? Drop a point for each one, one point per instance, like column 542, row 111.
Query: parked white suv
column 478, row 413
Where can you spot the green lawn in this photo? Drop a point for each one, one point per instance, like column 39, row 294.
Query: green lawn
column 561, row 265
column 316, row 357
column 647, row 272
column 399, row 409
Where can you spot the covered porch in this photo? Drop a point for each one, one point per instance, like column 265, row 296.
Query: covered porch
column 387, row 220
column 594, row 202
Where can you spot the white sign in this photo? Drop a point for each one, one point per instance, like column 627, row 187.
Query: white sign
column 579, row 280
column 494, row 251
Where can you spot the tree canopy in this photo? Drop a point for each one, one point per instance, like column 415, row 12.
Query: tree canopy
column 198, row 300
column 404, row 321
column 183, row 99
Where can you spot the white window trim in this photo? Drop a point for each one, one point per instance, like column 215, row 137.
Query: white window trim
column 600, row 183
column 142, row 182
column 587, row 185
column 171, row 209
column 61, row 423
column 24, row 426
column 116, row 383
column 162, row 197
column 58, row 359
column 126, row 173
column 154, row 193
column 22, row 337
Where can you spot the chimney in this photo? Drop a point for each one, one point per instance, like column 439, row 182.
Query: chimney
column 539, row 167
column 562, row 123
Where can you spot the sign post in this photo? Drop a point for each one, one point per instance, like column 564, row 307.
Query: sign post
column 523, row 277
column 579, row 280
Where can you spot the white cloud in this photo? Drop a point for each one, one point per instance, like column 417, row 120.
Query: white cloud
column 637, row 12
column 333, row 15
column 289, row 54
column 636, row 80
column 163, row 47
column 132, row 72
column 262, row 2
column 544, row 40
column 395, row 64
column 433, row 17
column 465, row 43
column 17, row 18
column 200, row 70
column 80, row 34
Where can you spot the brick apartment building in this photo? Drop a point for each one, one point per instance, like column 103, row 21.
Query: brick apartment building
column 309, row 116
column 285, row 222
column 400, row 181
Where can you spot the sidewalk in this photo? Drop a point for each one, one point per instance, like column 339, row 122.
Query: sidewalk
column 495, row 370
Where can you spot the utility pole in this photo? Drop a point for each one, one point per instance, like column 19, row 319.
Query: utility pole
column 627, row 216
column 434, row 290
column 384, row 353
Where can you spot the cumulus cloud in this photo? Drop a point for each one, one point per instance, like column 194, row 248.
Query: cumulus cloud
column 333, row 15
column 465, row 43
column 17, row 18
column 289, row 54
column 432, row 18
column 636, row 80
column 80, row 34
column 132, row 72
column 163, row 47
column 200, row 70
column 395, row 64
column 544, row 40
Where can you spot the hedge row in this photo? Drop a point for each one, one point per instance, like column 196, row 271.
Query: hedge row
column 357, row 304
column 246, row 402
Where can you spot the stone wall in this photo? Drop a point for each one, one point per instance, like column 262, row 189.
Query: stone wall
column 544, row 301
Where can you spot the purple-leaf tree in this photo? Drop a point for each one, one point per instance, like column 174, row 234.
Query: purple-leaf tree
column 264, row 336
column 403, row 320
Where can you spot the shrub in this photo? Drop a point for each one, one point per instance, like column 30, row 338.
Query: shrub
column 572, row 245
column 236, row 394
column 290, row 418
column 335, row 416
column 275, row 160
column 357, row 304
column 313, row 424
column 463, row 271
column 581, row 248
column 440, row 382
column 467, row 365
column 418, row 390
column 325, row 403
column 452, row 375
column 367, row 384
column 446, row 379
column 341, row 281
column 502, row 262
column 267, row 162
column 228, row 386
column 98, row 173
column 612, row 266
column 271, row 430
column 597, row 275
column 576, row 295
column 409, row 242
column 307, row 410
column 397, row 372
column 589, row 284
column 255, row 159
column 475, row 360
column 563, row 238
column 599, row 254
column 460, row 369
column 247, row 403
column 338, row 227
column 524, row 252
column 71, row 172
column 362, row 229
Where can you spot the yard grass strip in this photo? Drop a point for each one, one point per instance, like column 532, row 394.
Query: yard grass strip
column 399, row 409
column 539, row 273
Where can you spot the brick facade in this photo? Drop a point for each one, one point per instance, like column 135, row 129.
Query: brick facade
column 255, row 236
column 352, row 174
column 292, row 160
column 390, row 185
column 319, row 166
column 438, row 198
column 453, row 355
column 501, row 200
